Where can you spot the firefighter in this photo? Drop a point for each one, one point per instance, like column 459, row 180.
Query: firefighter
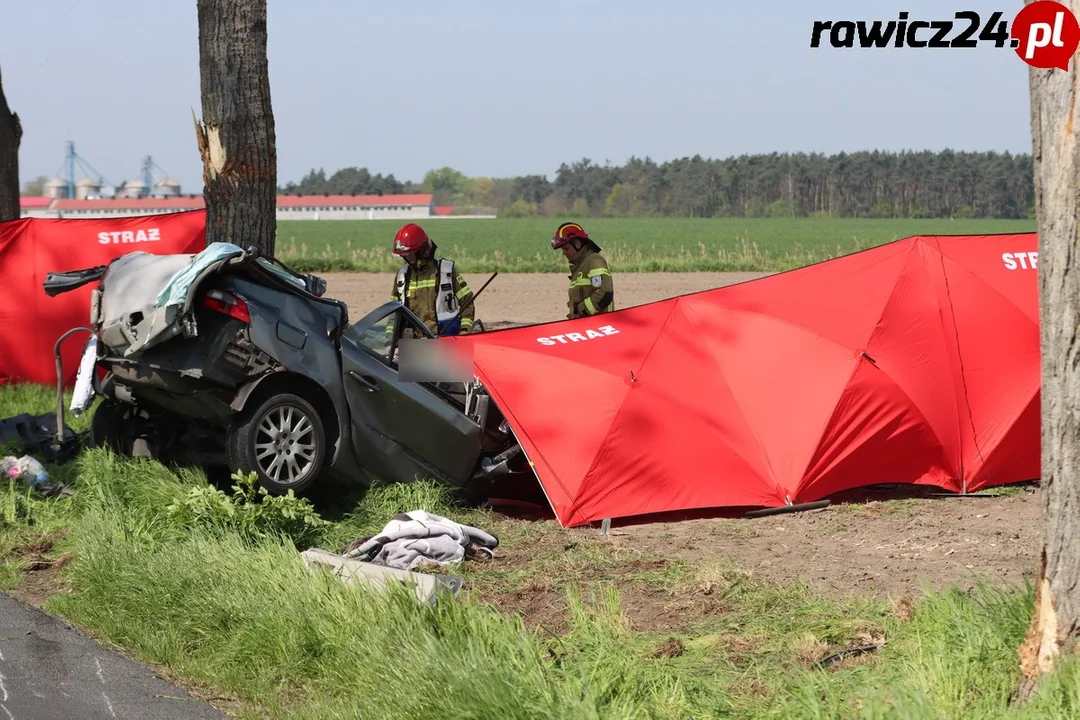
column 592, row 289
column 430, row 286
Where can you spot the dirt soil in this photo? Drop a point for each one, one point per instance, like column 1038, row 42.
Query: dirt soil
column 41, row 568
column 887, row 549
column 874, row 545
column 523, row 299
column 862, row 545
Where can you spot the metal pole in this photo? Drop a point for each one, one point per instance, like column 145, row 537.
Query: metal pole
column 60, row 381
column 71, row 169
column 477, row 293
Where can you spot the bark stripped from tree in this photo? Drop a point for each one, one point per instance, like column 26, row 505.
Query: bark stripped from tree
column 237, row 138
column 10, row 137
column 1055, row 123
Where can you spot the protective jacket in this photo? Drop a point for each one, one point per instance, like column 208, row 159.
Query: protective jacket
column 435, row 292
column 592, row 289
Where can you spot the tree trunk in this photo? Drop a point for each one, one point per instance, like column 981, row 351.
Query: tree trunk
column 237, row 138
column 1055, row 625
column 10, row 137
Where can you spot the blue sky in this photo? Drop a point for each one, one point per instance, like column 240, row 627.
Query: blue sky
column 503, row 88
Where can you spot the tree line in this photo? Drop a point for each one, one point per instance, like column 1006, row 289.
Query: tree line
column 866, row 184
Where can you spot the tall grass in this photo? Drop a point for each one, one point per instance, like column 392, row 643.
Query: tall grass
column 955, row 659
column 637, row 245
column 251, row 620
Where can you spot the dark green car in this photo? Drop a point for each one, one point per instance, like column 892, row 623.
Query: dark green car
column 228, row 358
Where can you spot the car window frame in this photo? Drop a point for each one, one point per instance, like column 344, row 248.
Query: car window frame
column 387, row 360
column 402, row 320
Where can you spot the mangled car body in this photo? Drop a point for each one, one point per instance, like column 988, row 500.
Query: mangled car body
column 226, row 357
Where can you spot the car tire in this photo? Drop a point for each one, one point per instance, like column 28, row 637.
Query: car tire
column 282, row 440
column 103, row 426
column 119, row 427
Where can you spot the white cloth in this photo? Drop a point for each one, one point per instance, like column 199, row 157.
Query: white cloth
column 418, row 536
column 83, row 393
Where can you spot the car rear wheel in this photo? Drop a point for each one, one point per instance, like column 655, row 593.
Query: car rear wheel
column 124, row 429
column 282, row 440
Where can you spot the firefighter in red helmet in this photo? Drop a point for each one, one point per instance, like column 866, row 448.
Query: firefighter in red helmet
column 592, row 288
column 430, row 286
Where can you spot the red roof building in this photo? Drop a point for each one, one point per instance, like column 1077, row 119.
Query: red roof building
column 289, row 207
column 34, row 203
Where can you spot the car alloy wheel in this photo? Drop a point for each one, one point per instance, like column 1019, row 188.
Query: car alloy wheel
column 281, row 440
column 285, row 445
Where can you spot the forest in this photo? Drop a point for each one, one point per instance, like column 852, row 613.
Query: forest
column 867, row 184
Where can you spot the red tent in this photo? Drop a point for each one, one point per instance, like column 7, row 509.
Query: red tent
column 31, row 321
column 914, row 362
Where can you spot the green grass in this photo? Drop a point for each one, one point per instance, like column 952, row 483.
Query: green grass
column 230, row 608
column 637, row 245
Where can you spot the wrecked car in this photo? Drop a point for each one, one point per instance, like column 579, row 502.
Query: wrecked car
column 230, row 358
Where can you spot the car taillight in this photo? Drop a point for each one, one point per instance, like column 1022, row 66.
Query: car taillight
column 227, row 303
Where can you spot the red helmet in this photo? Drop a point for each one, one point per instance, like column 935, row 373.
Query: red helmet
column 568, row 231
column 411, row 238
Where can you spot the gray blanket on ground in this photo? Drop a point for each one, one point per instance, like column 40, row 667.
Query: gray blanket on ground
column 415, row 537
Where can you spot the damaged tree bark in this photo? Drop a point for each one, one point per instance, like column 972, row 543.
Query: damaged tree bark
column 1055, row 625
column 237, row 137
column 10, row 138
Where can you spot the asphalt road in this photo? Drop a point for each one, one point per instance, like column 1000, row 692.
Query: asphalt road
column 51, row 671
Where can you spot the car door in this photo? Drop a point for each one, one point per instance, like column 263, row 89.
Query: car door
column 401, row 430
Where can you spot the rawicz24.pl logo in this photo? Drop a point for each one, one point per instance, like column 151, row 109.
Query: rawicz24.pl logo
column 1044, row 34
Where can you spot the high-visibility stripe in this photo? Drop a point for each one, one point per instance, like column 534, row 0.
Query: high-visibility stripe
column 589, row 307
column 581, row 282
column 466, row 323
column 422, row 285
column 562, row 232
column 599, row 271
column 463, row 292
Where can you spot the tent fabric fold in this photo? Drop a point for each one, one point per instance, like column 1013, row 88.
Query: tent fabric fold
column 915, row 362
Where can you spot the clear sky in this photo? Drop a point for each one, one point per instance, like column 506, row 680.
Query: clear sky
column 502, row 87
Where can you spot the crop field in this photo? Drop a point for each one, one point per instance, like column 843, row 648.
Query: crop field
column 630, row 245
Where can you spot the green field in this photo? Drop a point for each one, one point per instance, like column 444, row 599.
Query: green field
column 630, row 245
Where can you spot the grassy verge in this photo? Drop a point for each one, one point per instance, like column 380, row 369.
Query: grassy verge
column 213, row 588
column 639, row 245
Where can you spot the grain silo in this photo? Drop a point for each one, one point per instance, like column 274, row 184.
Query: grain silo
column 86, row 188
column 55, row 188
column 133, row 189
column 166, row 188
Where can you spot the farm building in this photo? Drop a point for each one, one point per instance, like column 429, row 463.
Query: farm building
column 34, row 206
column 289, row 207
column 354, row 207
